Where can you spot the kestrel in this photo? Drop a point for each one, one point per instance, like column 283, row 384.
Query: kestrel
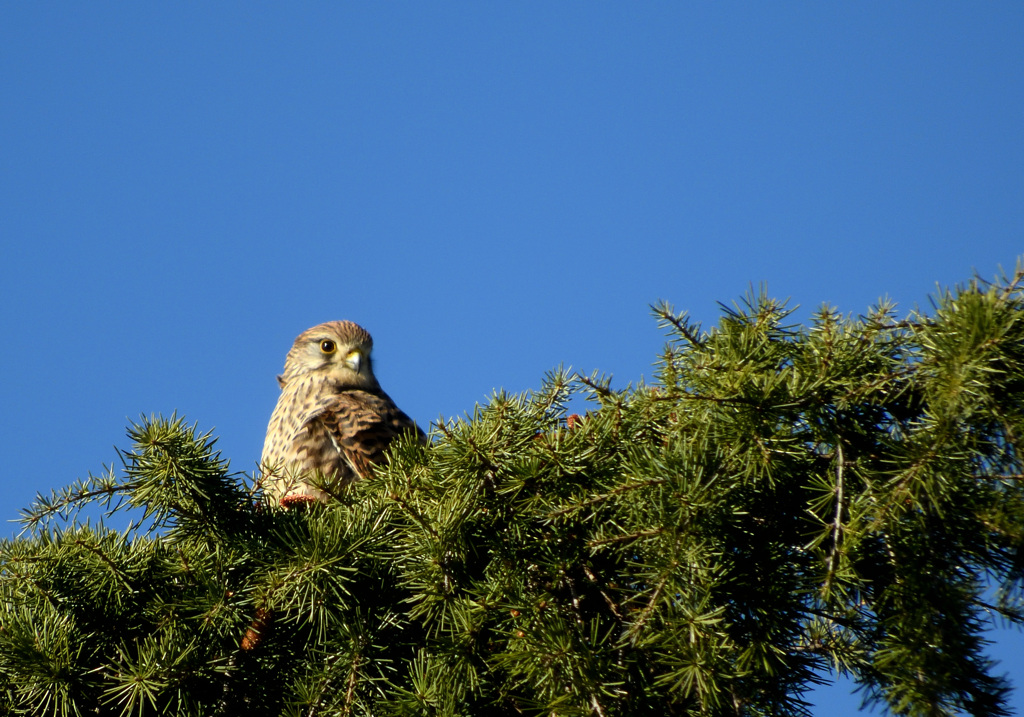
column 332, row 422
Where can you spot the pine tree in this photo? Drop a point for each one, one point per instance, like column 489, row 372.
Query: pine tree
column 783, row 504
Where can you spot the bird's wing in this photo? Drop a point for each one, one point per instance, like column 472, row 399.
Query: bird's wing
column 360, row 425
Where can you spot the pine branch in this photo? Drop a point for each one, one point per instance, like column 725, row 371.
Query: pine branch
column 605, row 496
column 667, row 315
column 629, row 537
column 1014, row 285
column 837, row 523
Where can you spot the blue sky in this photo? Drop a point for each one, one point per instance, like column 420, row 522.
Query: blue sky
column 492, row 190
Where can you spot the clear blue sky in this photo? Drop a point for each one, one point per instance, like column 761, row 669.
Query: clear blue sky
column 491, row 189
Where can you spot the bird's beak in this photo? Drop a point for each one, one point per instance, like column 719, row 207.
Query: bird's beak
column 353, row 360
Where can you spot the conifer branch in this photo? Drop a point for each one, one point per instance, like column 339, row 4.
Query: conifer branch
column 598, row 388
column 485, row 460
column 629, row 537
column 1014, row 284
column 350, row 689
column 61, row 503
column 837, row 523
column 605, row 496
column 414, row 514
column 106, row 559
column 665, row 312
column 637, row 626
column 1008, row 614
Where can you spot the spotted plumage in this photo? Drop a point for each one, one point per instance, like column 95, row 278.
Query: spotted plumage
column 332, row 422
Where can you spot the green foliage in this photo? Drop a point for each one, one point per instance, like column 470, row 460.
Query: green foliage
column 781, row 505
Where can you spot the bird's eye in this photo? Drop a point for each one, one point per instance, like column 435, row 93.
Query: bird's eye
column 328, row 346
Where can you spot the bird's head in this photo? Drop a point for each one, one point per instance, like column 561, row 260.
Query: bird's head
column 337, row 350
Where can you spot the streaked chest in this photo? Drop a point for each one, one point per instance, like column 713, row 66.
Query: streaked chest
column 285, row 437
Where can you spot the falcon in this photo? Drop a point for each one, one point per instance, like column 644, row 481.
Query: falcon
column 333, row 422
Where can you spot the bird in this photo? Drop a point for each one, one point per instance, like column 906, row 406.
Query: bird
column 332, row 423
